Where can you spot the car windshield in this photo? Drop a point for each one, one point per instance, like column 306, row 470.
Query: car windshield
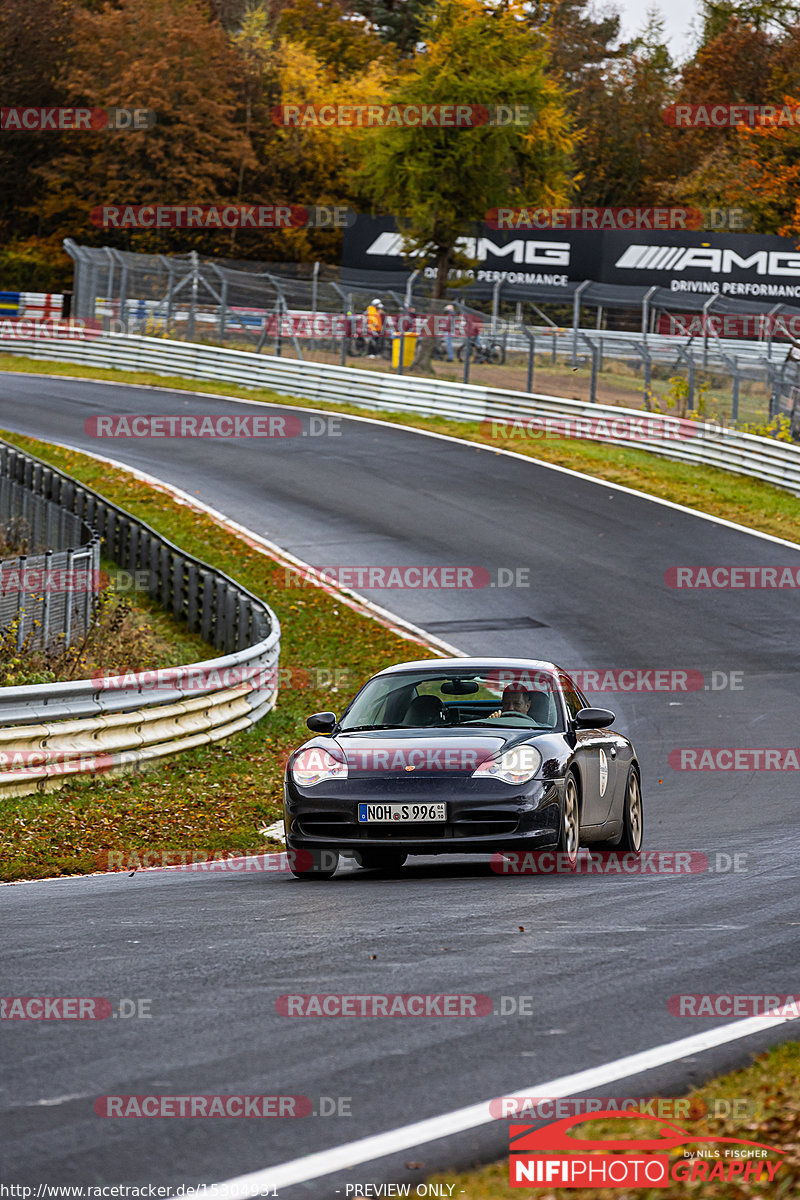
column 497, row 696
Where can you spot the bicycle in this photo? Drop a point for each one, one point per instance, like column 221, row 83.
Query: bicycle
column 483, row 352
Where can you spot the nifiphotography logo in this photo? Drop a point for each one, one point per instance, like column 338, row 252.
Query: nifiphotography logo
column 531, row 1166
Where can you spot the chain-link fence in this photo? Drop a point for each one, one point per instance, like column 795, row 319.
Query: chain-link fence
column 317, row 313
column 49, row 569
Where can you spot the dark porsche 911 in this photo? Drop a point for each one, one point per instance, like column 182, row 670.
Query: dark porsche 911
column 461, row 756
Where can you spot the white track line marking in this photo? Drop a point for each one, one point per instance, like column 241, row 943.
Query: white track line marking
column 407, row 1137
column 443, row 437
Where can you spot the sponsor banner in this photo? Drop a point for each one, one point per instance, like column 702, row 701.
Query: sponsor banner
column 735, row 758
column 384, row 1005
column 732, row 1006
column 730, row 116
column 733, row 577
column 733, row 264
column 398, row 116
column 38, row 120
column 203, row 1106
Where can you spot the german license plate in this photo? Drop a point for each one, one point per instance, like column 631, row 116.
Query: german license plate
column 402, row 812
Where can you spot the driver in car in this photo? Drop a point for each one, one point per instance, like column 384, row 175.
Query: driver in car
column 514, row 702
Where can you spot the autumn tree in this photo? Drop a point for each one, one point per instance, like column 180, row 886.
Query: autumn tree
column 341, row 40
column 440, row 181
column 164, row 55
column 397, row 22
column 624, row 146
column 297, row 164
column 584, row 48
column 33, row 42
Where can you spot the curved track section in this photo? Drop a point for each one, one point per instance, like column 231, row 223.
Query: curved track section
column 599, row 956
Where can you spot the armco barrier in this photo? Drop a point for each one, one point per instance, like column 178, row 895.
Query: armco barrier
column 52, row 732
column 774, row 462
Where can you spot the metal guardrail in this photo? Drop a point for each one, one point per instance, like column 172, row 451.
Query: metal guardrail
column 707, row 443
column 51, row 732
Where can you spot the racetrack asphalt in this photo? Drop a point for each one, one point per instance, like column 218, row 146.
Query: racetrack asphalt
column 599, row 955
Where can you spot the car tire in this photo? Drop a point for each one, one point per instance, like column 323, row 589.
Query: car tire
column 569, row 836
column 632, row 815
column 315, row 864
column 381, row 860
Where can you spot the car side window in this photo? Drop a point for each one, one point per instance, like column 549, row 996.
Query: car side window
column 573, row 700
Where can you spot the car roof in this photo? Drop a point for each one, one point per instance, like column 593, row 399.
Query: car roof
column 471, row 664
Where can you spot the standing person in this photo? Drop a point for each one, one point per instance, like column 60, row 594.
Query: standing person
column 448, row 337
column 375, row 318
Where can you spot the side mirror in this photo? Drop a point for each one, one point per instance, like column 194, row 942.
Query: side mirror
column 323, row 722
column 594, row 718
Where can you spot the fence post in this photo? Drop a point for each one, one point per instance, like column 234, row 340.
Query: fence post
column 735, row 392
column 68, row 604
column 48, row 559
column 21, row 602
column 576, row 316
column 531, row 357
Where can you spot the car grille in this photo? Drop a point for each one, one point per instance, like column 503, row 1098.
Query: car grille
column 475, row 824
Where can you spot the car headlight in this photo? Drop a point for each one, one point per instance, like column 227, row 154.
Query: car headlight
column 515, row 766
column 316, row 765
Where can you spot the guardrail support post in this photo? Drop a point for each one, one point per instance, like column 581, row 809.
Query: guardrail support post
column 531, row 357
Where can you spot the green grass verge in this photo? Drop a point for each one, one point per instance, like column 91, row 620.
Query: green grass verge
column 736, row 498
column 768, row 1111
column 211, row 799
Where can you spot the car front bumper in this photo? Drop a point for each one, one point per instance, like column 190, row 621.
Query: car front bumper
column 481, row 818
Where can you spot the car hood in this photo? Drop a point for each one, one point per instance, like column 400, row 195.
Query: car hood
column 383, row 752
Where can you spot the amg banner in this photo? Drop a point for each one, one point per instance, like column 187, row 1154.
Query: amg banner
column 739, row 265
